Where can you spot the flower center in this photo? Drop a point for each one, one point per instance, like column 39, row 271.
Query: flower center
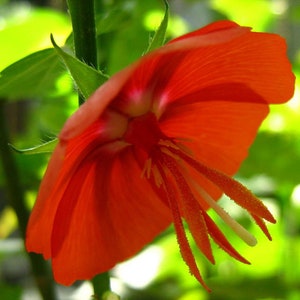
column 144, row 132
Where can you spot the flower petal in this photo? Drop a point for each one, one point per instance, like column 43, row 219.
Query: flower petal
column 61, row 167
column 250, row 59
column 42, row 215
column 152, row 71
column 219, row 133
column 211, row 28
column 114, row 215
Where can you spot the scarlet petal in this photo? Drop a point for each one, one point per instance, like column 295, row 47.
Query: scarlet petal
column 210, row 28
column 42, row 216
column 113, row 215
column 217, row 132
column 154, row 70
column 250, row 59
column 61, row 167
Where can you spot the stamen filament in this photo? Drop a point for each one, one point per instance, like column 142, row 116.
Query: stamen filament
column 245, row 235
column 169, row 153
column 232, row 188
column 168, row 143
column 157, row 176
column 184, row 246
column 147, row 168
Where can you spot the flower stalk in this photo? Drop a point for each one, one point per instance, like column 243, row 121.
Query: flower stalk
column 101, row 285
column 85, row 44
column 84, row 32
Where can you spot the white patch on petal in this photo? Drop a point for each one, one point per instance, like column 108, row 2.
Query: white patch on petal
column 159, row 105
column 116, row 125
column 139, row 103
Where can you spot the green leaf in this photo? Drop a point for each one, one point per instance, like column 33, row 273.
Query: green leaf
column 86, row 78
column 47, row 147
column 159, row 36
column 34, row 75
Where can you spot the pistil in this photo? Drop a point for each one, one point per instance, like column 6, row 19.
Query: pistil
column 245, row 235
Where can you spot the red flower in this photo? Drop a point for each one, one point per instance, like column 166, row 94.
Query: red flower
column 158, row 143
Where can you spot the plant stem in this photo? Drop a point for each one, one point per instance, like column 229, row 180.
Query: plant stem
column 84, row 32
column 16, row 197
column 101, row 284
column 85, row 44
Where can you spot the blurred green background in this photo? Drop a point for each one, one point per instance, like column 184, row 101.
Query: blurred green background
column 43, row 97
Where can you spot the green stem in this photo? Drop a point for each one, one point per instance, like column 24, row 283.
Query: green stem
column 101, row 284
column 16, row 197
column 85, row 43
column 84, row 32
